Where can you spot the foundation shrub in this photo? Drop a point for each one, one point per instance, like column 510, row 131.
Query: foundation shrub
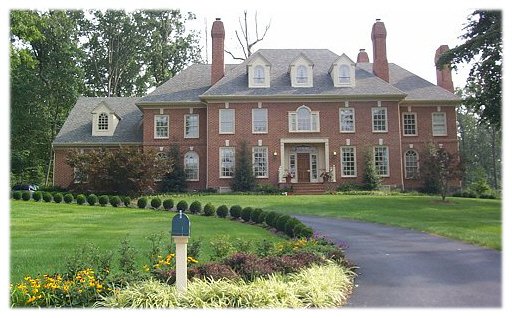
column 80, row 199
column 127, row 201
column 142, row 202
column 47, row 197
column 37, row 196
column 68, row 198
column 16, row 195
column 57, row 197
column 103, row 200
column 25, row 195
column 92, row 199
column 156, row 203
column 115, row 201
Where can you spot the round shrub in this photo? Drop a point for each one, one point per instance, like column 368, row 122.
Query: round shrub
column 235, row 211
column 16, row 195
column 156, row 203
column 289, row 225
column 68, row 198
column 246, row 213
column 92, row 199
column 270, row 218
column 281, row 221
column 182, row 206
column 37, row 196
column 57, row 197
column 168, row 204
column 255, row 215
column 297, row 229
column 127, row 201
column 306, row 232
column 80, row 199
column 47, row 197
column 103, row 200
column 195, row 207
column 222, row 211
column 115, row 201
column 262, row 217
column 142, row 202
column 208, row 210
column 25, row 195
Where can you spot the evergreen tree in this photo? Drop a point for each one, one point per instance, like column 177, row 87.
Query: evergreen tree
column 175, row 181
column 371, row 179
column 244, row 179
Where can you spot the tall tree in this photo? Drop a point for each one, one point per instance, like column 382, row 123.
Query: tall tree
column 244, row 179
column 245, row 40
column 483, row 45
column 439, row 169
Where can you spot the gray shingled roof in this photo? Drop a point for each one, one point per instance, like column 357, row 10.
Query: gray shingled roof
column 78, row 126
column 235, row 82
column 186, row 86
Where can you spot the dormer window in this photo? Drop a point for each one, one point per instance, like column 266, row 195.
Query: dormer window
column 301, row 71
column 302, row 74
column 259, row 75
column 258, row 71
column 343, row 72
column 103, row 121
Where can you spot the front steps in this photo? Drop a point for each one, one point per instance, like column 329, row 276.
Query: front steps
column 307, row 188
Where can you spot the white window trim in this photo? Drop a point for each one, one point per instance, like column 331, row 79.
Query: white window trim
column 444, row 123
column 185, row 166
column 344, row 84
column 417, row 164
column 386, row 114
column 105, row 116
column 387, row 161
column 292, row 129
column 220, row 162
column 415, row 123
column 354, row 119
column 355, row 162
column 266, row 124
column 220, row 121
column 154, row 127
column 253, row 161
column 185, row 126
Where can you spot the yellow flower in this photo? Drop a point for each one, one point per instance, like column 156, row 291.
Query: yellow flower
column 146, row 268
column 190, row 259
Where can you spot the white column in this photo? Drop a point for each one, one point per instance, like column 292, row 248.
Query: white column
column 181, row 263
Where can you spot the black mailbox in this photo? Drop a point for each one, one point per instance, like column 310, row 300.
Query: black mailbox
column 180, row 225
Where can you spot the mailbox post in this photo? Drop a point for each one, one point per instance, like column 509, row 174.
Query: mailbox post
column 180, row 232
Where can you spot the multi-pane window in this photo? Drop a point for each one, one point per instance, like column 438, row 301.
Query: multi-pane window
column 227, row 121
column 344, row 74
column 103, row 121
column 227, row 162
column 409, row 123
column 411, row 164
column 192, row 126
column 380, row 119
column 381, row 157
column 292, row 164
column 191, row 166
column 260, row 162
column 439, row 124
column 302, row 74
column 314, row 166
column 347, row 120
column 303, row 120
column 79, row 176
column 259, row 120
column 348, row 162
column 259, row 74
column 161, row 126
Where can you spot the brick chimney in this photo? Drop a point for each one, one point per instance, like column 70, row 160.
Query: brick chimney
column 444, row 75
column 380, row 60
column 362, row 57
column 218, row 36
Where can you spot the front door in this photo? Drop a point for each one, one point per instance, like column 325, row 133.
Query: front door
column 303, row 167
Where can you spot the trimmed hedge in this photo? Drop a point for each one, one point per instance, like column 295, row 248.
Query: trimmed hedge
column 103, row 200
column 25, row 195
column 281, row 221
column 142, row 202
column 209, row 209
column 156, row 203
column 195, row 207
column 57, row 197
column 255, row 215
column 16, row 195
column 37, row 196
column 115, row 201
column 80, row 199
column 68, row 198
column 92, row 199
column 262, row 217
column 271, row 218
column 222, row 211
column 47, row 197
column 127, row 201
column 168, row 204
column 246, row 213
column 235, row 211
column 182, row 206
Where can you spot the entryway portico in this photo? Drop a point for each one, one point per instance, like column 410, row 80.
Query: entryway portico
column 304, row 160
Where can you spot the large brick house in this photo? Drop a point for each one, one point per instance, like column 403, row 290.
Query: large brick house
column 301, row 111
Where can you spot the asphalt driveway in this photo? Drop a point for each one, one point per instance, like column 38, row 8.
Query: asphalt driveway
column 405, row 268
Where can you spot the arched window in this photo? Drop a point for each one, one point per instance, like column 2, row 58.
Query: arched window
column 191, row 166
column 259, row 74
column 344, row 74
column 302, row 74
column 411, row 164
column 303, row 120
column 103, row 121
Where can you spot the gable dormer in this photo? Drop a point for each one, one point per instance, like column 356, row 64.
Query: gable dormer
column 104, row 120
column 301, row 71
column 258, row 72
column 343, row 72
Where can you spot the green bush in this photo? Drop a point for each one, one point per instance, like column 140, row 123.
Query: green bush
column 142, row 202
column 208, row 210
column 57, row 197
column 281, row 222
column 255, row 215
column 16, row 195
column 235, row 211
column 487, row 196
column 92, row 199
column 156, row 203
column 306, row 232
column 37, row 196
column 127, row 201
column 168, row 204
column 222, row 211
column 297, row 229
column 103, row 200
column 68, row 198
column 80, row 199
column 289, row 226
column 25, row 195
column 271, row 218
column 246, row 213
column 195, row 207
column 182, row 206
column 262, row 217
column 115, row 201
column 47, row 197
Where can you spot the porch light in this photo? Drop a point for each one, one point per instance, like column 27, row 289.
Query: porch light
column 334, row 153
column 275, row 153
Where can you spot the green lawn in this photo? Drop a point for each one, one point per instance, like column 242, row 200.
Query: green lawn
column 477, row 221
column 43, row 234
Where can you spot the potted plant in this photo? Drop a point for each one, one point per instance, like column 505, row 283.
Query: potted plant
column 288, row 176
column 326, row 176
